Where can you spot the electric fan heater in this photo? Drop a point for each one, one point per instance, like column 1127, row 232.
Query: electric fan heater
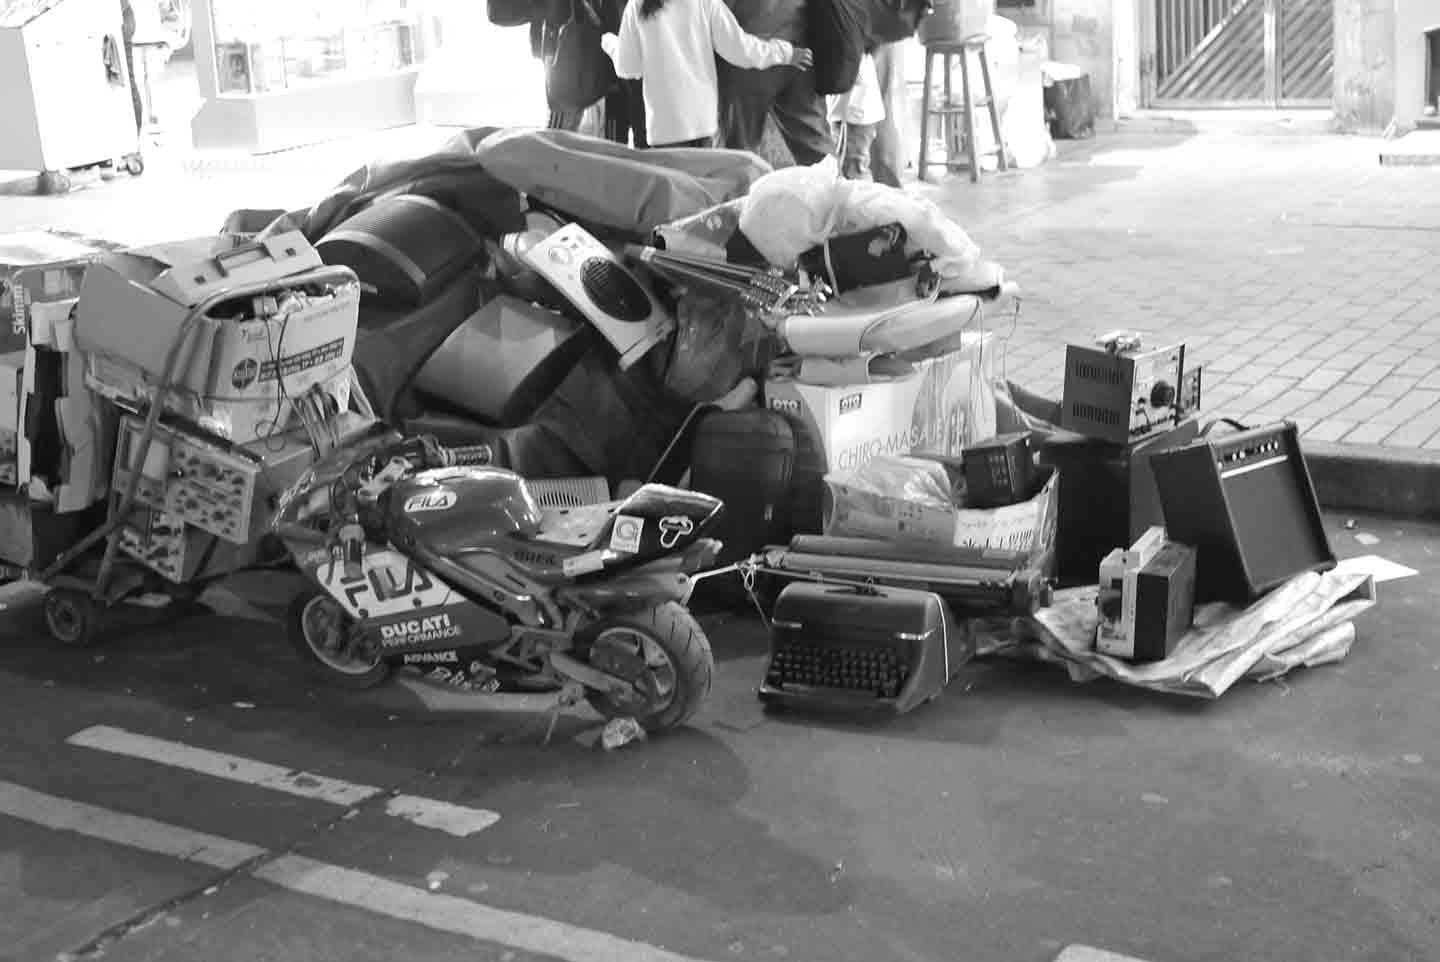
column 590, row 276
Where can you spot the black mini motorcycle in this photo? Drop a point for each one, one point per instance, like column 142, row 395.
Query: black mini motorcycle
column 429, row 558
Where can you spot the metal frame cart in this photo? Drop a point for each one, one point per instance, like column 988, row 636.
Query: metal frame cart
column 75, row 605
column 65, row 98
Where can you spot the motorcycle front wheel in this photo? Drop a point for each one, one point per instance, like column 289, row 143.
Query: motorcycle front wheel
column 324, row 635
column 663, row 653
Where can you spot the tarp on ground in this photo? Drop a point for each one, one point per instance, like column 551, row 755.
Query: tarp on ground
column 1308, row 621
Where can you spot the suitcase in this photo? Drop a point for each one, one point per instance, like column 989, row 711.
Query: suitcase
column 865, row 650
column 746, row 459
column 407, row 248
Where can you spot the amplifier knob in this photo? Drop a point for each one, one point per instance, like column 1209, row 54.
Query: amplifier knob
column 1162, row 395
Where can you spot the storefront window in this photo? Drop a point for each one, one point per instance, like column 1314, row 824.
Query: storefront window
column 270, row 45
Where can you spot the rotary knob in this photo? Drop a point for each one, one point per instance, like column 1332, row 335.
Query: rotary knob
column 1162, row 395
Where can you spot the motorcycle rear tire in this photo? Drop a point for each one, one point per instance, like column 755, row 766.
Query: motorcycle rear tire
column 674, row 629
column 375, row 675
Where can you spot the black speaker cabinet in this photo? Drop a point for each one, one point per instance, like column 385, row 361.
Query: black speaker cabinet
column 1107, row 497
column 1246, row 502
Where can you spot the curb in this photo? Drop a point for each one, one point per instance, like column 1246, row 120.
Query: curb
column 1402, row 482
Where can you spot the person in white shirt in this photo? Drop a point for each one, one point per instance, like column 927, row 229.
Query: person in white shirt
column 671, row 46
column 856, row 115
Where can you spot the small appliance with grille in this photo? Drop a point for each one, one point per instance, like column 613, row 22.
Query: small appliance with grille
column 865, row 650
column 610, row 296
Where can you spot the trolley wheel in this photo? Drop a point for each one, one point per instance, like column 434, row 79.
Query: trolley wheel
column 55, row 182
column 134, row 165
column 73, row 617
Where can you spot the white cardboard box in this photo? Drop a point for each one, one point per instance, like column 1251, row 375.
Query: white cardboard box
column 944, row 404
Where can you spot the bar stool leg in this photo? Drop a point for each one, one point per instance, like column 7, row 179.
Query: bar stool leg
column 971, row 147
column 947, row 121
column 925, row 105
column 1002, row 156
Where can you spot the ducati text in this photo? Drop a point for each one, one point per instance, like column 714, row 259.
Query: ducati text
column 418, row 631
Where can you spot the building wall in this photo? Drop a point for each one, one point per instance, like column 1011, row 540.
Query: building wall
column 1412, row 19
column 1365, row 67
column 1080, row 32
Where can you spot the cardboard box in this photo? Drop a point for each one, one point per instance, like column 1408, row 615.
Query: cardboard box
column 37, row 268
column 12, row 374
column 944, row 404
column 238, row 421
column 132, row 306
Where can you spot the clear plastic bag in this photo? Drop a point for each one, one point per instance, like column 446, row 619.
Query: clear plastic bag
column 893, row 498
column 792, row 210
column 706, row 233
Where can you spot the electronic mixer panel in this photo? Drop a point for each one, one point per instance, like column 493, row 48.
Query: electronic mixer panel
column 194, row 482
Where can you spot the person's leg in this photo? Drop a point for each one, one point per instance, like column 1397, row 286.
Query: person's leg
column 888, row 153
column 135, row 98
column 635, row 90
column 855, row 158
column 746, row 97
column 800, row 114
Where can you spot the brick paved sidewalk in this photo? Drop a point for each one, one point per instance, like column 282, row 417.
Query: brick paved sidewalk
column 1301, row 273
column 1305, row 277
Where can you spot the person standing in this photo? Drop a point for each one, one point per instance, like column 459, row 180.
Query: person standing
column 887, row 151
column 671, row 46
column 856, row 115
column 748, row 98
column 127, row 41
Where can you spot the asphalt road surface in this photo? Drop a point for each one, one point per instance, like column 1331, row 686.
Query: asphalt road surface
column 185, row 792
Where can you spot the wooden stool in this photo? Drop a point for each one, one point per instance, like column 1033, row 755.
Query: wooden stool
column 950, row 109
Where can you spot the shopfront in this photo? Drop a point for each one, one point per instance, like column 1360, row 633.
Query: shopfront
column 276, row 74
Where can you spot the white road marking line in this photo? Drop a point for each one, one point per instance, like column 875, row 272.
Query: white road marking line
column 1083, row 953
column 457, row 820
column 233, row 768
column 355, row 889
column 457, row 916
column 131, row 831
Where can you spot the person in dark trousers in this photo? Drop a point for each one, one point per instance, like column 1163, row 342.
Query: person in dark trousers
column 749, row 97
column 127, row 38
column 673, row 46
column 887, row 150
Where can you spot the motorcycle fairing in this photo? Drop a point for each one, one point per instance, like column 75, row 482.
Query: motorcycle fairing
column 656, row 521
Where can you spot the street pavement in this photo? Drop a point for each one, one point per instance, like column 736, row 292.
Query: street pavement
column 185, row 792
column 1296, row 269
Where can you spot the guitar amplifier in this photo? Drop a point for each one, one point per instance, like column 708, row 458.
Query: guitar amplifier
column 1247, row 503
column 870, row 650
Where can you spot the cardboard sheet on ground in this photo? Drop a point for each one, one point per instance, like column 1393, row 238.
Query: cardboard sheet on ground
column 1306, row 622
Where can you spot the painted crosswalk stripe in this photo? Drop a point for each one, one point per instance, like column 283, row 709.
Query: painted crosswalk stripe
column 132, row 831
column 333, row 883
column 455, row 820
